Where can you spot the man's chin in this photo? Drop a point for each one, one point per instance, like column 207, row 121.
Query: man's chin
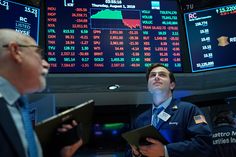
column 42, row 86
column 156, row 90
column 34, row 90
column 41, row 89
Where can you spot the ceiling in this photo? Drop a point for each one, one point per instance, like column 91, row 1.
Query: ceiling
column 71, row 89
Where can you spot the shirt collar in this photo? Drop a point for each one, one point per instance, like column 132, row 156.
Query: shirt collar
column 165, row 104
column 8, row 92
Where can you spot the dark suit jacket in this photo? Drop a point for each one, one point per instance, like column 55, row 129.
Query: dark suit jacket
column 10, row 142
column 11, row 145
column 185, row 136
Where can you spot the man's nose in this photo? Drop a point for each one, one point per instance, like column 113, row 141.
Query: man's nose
column 45, row 64
column 157, row 77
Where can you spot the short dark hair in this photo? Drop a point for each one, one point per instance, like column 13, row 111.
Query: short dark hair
column 149, row 69
column 224, row 117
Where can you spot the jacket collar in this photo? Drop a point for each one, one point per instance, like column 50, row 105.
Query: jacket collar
column 170, row 110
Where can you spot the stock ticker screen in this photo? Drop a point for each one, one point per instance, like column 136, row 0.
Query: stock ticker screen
column 211, row 38
column 23, row 18
column 111, row 35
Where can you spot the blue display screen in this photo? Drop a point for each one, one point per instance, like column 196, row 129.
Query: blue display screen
column 21, row 17
column 211, row 38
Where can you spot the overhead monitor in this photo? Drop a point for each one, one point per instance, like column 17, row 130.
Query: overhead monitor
column 211, row 38
column 112, row 35
column 23, row 18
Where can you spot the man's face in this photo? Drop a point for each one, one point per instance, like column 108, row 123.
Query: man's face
column 34, row 68
column 159, row 81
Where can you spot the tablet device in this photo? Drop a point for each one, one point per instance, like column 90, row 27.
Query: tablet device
column 137, row 137
column 81, row 113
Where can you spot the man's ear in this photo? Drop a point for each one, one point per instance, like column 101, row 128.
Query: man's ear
column 15, row 52
column 172, row 85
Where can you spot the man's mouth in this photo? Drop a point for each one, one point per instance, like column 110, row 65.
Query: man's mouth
column 157, row 83
column 45, row 72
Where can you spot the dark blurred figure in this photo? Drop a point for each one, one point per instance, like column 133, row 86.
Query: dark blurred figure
column 224, row 134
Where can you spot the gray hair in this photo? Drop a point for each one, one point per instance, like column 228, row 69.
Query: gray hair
column 10, row 35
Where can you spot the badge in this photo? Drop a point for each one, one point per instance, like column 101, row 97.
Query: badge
column 164, row 116
column 175, row 107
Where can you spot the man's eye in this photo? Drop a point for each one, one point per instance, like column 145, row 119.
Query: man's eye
column 162, row 75
column 152, row 75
